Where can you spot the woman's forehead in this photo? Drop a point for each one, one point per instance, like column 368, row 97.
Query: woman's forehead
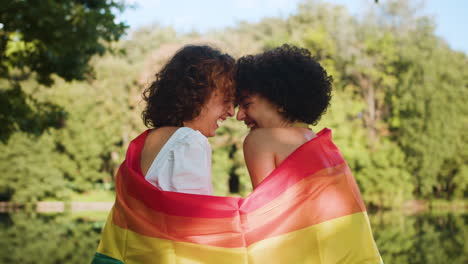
column 243, row 95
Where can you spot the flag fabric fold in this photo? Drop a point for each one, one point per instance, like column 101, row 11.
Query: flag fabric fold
column 308, row 210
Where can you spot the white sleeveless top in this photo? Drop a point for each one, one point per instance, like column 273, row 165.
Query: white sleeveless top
column 183, row 164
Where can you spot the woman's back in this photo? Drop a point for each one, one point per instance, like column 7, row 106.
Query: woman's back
column 287, row 140
column 153, row 145
column 177, row 159
column 266, row 148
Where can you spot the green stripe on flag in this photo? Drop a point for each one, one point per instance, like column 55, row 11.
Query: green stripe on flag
column 103, row 259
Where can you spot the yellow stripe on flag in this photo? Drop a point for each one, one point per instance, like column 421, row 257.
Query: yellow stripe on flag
column 346, row 239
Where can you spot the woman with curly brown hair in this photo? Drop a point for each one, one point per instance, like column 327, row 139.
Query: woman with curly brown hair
column 191, row 94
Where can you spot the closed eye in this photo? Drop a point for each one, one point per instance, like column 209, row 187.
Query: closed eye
column 245, row 105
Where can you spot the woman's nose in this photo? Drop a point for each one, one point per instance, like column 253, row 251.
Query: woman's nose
column 230, row 110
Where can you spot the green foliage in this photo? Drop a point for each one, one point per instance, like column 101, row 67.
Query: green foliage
column 230, row 176
column 31, row 168
column 432, row 117
column 59, row 37
column 42, row 38
column 22, row 112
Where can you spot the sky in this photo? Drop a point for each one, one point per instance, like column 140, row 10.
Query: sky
column 451, row 16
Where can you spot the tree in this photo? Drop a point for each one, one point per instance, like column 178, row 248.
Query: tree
column 42, row 38
column 100, row 117
column 47, row 37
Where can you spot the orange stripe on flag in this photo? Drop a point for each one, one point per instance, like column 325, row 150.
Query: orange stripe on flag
column 327, row 191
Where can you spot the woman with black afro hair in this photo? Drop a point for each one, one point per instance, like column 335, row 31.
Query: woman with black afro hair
column 280, row 93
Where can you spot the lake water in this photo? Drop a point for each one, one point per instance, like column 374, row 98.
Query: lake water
column 426, row 238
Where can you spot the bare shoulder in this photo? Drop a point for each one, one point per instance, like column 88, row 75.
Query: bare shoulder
column 273, row 136
column 160, row 133
column 259, row 154
column 279, row 141
column 259, row 138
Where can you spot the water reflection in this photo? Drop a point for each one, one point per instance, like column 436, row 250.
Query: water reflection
column 41, row 238
column 429, row 238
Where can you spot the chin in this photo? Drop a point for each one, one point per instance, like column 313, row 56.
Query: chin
column 210, row 133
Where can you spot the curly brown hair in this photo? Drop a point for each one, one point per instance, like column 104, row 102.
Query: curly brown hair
column 185, row 84
column 290, row 78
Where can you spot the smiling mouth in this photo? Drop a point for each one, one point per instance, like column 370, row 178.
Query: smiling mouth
column 251, row 125
column 219, row 121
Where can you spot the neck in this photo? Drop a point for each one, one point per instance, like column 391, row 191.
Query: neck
column 300, row 124
column 293, row 124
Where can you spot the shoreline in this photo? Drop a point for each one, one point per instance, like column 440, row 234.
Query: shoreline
column 56, row 207
column 410, row 207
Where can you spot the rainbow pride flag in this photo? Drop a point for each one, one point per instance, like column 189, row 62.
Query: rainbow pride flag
column 309, row 210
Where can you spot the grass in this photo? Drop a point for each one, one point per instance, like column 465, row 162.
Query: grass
column 89, row 215
column 89, row 196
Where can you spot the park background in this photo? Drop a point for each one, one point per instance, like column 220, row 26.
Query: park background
column 72, row 74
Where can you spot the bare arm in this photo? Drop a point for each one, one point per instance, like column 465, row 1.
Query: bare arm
column 259, row 156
